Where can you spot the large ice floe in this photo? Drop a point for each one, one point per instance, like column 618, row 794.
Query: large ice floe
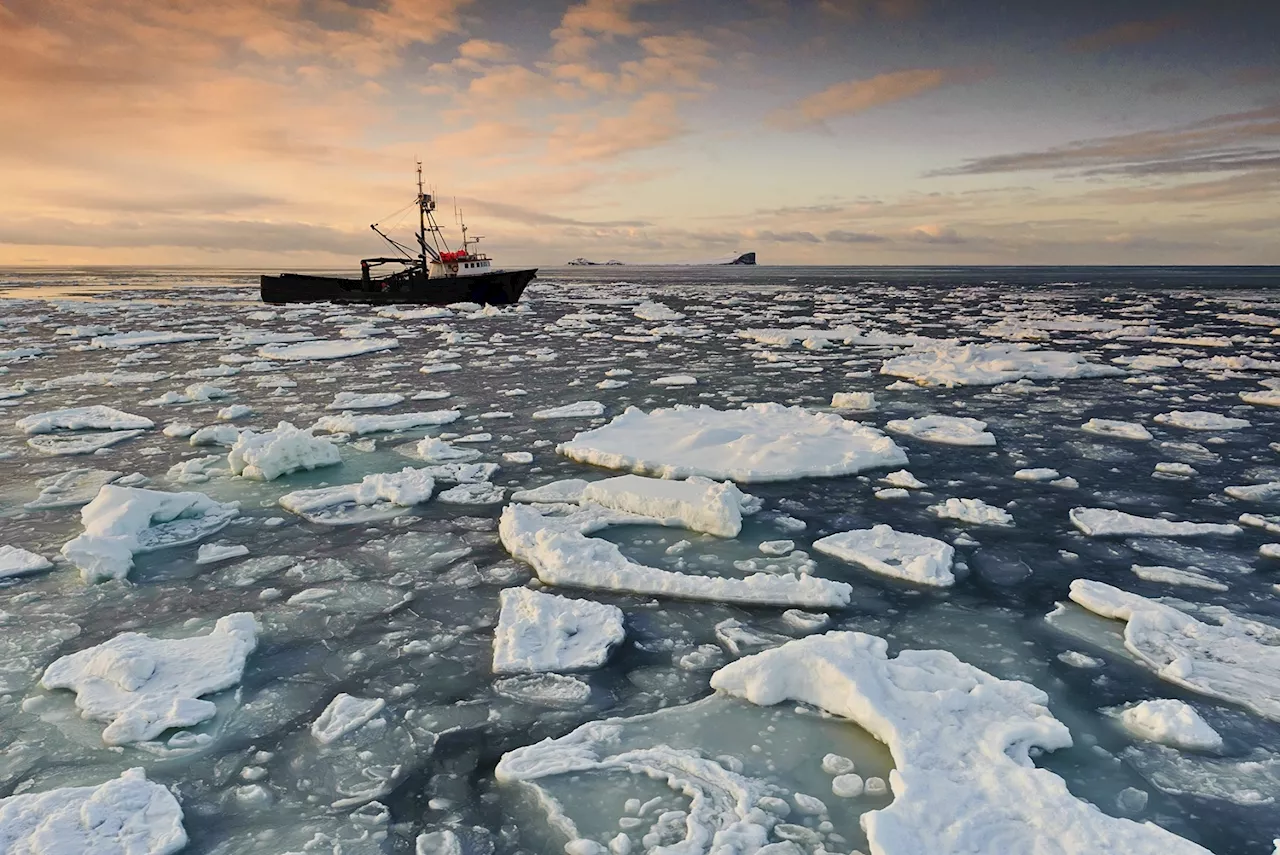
column 142, row 686
column 990, row 364
column 544, row 632
column 556, row 543
column 1103, row 522
column 123, row 521
column 330, row 349
column 96, row 417
column 760, row 442
column 350, row 422
column 947, row 430
column 962, row 743
column 128, row 815
column 267, row 456
column 902, row 555
column 377, row 497
column 1237, row 661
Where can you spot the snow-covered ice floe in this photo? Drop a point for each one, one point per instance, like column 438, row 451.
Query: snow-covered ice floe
column 696, row 503
column 544, row 632
column 377, row 497
column 128, row 815
column 863, row 402
column 331, row 349
column 902, row 555
column 96, row 417
column 364, row 401
column 972, row 511
column 761, row 442
column 961, row 742
column 87, row 442
column 1103, row 522
column 990, row 364
column 1170, row 722
column 15, row 561
column 578, row 410
column 1116, row 428
column 123, row 521
column 350, row 422
column 560, row 551
column 947, row 430
column 267, row 456
column 142, row 686
column 1237, row 661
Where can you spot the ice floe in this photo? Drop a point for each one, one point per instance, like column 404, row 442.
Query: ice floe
column 580, row 409
column 902, row 555
column 972, row 511
column 1237, row 661
column 142, row 686
column 267, row 456
column 96, row 417
column 350, row 422
column 761, row 442
column 327, row 349
column 376, row 497
column 1170, row 722
column 344, row 714
column 15, row 561
column 947, row 430
column 696, row 503
column 128, row 815
column 961, row 741
column 990, row 364
column 1103, row 522
column 123, row 521
column 1200, row 420
column 364, row 401
column 863, row 402
column 545, row 632
column 1116, row 428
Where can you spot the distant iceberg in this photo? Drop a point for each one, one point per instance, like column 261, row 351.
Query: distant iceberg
column 731, row 258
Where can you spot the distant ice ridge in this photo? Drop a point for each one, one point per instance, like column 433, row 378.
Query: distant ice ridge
column 123, row 521
column 142, row 686
column 761, row 442
column 961, row 741
column 544, row 632
column 128, row 815
column 267, row 456
column 1237, row 661
column 558, row 547
column 989, row 364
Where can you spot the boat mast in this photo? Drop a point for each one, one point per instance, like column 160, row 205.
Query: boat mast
column 423, row 199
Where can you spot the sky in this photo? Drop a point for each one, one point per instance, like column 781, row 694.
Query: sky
column 270, row 133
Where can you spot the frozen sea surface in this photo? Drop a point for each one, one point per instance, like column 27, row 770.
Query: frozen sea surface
column 367, row 719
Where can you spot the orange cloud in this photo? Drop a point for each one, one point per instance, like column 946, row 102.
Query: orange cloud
column 1127, row 34
column 856, row 96
column 650, row 121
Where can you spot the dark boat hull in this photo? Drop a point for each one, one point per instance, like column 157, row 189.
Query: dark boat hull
column 499, row 288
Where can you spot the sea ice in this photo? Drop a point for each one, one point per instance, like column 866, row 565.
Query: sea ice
column 379, row 496
column 436, row 450
column 80, row 443
column 989, row 364
column 864, row 402
column 903, row 479
column 15, row 561
column 1102, row 522
column 972, row 511
column 675, row 380
column 901, row 555
column 327, row 349
column 70, row 489
column 267, row 456
column 761, row 442
column 1269, row 398
column 566, row 490
column 1174, row 576
column 544, row 632
column 1237, row 661
column 1040, row 474
column 1200, row 420
column 146, row 338
column 948, row 430
column 344, row 714
column 652, row 311
column 128, row 815
column 580, row 409
column 349, row 422
column 365, row 401
column 1172, row 723
column 1112, row 427
column 122, row 521
column 96, row 417
column 961, row 741
column 697, row 503
column 1268, row 492
column 142, row 686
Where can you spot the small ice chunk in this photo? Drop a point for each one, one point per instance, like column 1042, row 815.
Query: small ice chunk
column 675, row 380
column 436, row 450
column 777, row 547
column 1174, row 576
column 128, row 815
column 142, row 686
column 378, row 496
column 1200, row 420
column 863, row 402
column 344, row 714
column 881, row 549
column 903, row 479
column 211, row 553
column 480, row 493
column 1268, row 492
column 946, row 430
column 1172, row 723
column 835, row 764
column 847, row 786
column 1076, row 659
column 267, row 456
column 364, row 401
column 1102, row 522
column 1182, row 470
column 15, row 561
column 233, row 412
column 544, row 632
column 1043, row 474
column 216, row 435
column 698, row 503
column 1119, row 429
column 972, row 511
column 327, row 349
column 520, row 457
column 580, row 409
column 350, row 422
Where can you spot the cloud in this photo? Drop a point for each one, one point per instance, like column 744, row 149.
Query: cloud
column 582, row 23
column 649, row 121
column 521, row 214
column 840, row 236
column 934, row 233
column 855, row 9
column 855, row 96
column 189, row 233
column 1127, row 34
column 484, row 51
column 783, row 237
column 1235, row 141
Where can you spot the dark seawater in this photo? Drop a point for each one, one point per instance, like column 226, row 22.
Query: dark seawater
column 413, row 623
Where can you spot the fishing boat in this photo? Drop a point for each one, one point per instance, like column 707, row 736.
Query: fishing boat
column 434, row 275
